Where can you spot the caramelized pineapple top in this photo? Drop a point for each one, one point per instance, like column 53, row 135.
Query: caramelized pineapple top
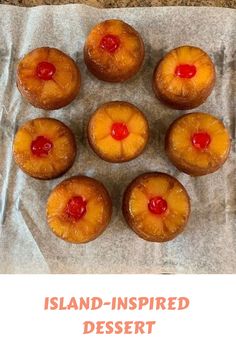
column 114, row 49
column 157, row 205
column 44, row 147
column 199, row 140
column 48, row 74
column 79, row 209
column 184, row 73
column 118, row 131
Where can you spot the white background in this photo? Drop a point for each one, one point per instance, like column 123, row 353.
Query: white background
column 207, row 326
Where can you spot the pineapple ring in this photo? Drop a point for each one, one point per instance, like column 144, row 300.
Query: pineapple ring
column 210, row 151
column 44, row 148
column 79, row 209
column 156, row 206
column 118, row 131
column 48, row 78
column 184, row 78
column 113, row 51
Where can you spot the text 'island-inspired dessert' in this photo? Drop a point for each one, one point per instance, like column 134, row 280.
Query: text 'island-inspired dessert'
column 184, row 78
column 44, row 148
column 113, row 51
column 156, row 206
column 79, row 209
column 48, row 78
column 197, row 143
column 118, row 131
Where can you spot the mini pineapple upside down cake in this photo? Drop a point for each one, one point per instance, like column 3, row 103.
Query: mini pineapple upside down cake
column 44, row 148
column 118, row 131
column 79, row 209
column 113, row 51
column 184, row 78
column 197, row 143
column 156, row 206
column 48, row 78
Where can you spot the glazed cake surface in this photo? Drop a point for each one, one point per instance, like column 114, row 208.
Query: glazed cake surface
column 113, row 51
column 156, row 206
column 79, row 209
column 48, row 78
column 44, row 148
column 198, row 143
column 184, row 78
column 118, row 131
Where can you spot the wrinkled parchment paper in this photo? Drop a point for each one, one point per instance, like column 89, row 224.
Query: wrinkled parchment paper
column 208, row 244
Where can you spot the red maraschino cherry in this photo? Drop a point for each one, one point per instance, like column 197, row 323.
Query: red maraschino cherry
column 119, row 131
column 201, row 140
column 110, row 43
column 185, row 71
column 76, row 207
column 157, row 205
column 45, row 70
column 41, row 146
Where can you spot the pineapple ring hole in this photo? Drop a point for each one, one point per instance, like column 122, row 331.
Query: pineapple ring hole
column 201, row 140
column 157, row 205
column 185, row 71
column 41, row 146
column 110, row 43
column 119, row 131
column 76, row 207
column 45, row 70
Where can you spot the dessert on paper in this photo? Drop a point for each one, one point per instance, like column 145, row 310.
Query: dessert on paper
column 117, row 249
